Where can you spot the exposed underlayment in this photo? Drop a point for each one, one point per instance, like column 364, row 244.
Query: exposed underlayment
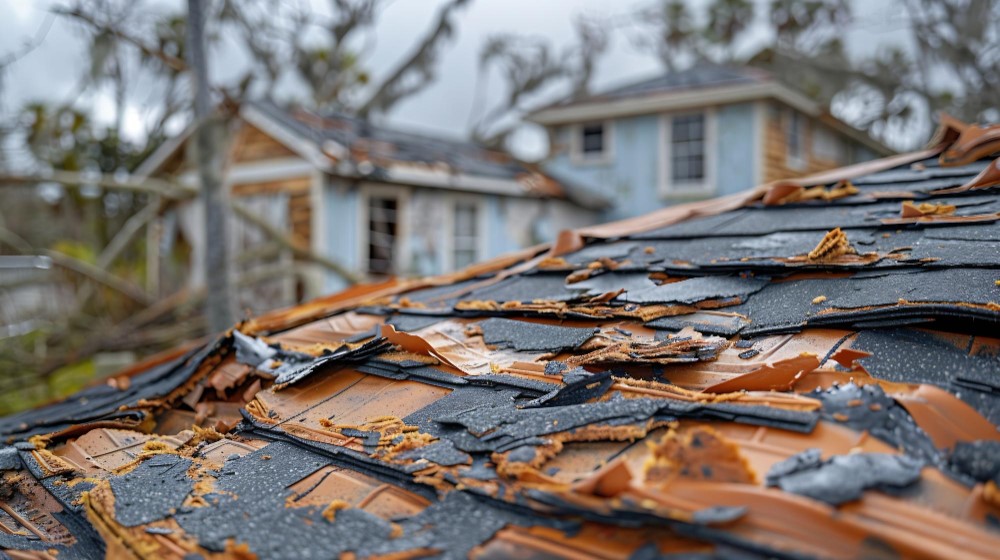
column 811, row 369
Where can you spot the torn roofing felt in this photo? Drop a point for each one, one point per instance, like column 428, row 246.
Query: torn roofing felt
column 809, row 369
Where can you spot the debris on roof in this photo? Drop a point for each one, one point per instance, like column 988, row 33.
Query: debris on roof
column 356, row 148
column 791, row 372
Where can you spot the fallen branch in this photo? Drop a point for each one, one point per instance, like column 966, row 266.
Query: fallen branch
column 99, row 275
column 92, row 272
column 167, row 189
column 295, row 245
column 119, row 242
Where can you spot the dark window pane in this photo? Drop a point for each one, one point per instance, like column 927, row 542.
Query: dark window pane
column 593, row 139
column 382, row 233
column 687, row 148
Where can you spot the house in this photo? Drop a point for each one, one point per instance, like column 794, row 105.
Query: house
column 708, row 131
column 376, row 200
column 768, row 374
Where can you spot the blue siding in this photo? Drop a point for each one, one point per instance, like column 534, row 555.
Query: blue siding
column 498, row 239
column 341, row 214
column 735, row 138
column 632, row 178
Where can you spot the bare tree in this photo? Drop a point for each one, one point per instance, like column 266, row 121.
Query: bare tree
column 530, row 67
column 951, row 61
column 141, row 54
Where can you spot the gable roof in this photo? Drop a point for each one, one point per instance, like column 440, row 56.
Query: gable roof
column 807, row 369
column 696, row 77
column 350, row 147
column 703, row 85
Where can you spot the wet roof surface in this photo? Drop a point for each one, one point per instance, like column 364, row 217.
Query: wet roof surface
column 700, row 76
column 808, row 369
column 379, row 142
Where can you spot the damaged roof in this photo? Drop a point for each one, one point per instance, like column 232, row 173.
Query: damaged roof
column 355, row 147
column 809, row 369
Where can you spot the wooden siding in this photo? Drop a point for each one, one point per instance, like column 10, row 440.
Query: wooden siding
column 775, row 153
column 299, row 205
column 252, row 144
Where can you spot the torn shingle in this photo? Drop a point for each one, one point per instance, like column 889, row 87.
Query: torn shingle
column 843, row 478
column 532, row 337
column 152, row 491
column 621, row 394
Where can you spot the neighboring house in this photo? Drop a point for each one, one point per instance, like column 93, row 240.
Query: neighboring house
column 708, row 131
column 378, row 201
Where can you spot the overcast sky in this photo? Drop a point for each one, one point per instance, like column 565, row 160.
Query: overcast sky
column 51, row 71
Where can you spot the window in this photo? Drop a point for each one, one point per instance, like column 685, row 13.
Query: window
column 796, row 138
column 591, row 142
column 383, row 233
column 687, row 149
column 687, row 145
column 828, row 146
column 465, row 235
column 592, row 139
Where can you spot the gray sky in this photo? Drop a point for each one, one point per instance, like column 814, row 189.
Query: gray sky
column 51, row 71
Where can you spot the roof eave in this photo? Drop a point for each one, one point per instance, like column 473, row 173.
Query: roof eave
column 323, row 157
column 672, row 101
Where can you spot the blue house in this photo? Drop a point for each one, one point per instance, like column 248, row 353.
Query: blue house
column 695, row 134
column 376, row 200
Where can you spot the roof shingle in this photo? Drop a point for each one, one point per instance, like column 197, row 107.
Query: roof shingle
column 696, row 381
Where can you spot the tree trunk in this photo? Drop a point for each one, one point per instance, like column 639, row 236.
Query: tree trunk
column 218, row 304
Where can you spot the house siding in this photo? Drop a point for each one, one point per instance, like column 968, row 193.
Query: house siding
column 631, row 178
column 340, row 205
column 735, row 168
column 506, row 224
column 775, row 156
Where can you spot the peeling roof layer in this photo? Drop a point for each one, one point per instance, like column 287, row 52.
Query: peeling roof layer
column 809, row 369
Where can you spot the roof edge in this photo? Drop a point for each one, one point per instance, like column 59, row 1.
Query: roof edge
column 672, row 100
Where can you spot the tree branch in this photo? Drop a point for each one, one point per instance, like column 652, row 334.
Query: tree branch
column 420, row 61
column 295, row 245
column 167, row 189
column 169, row 60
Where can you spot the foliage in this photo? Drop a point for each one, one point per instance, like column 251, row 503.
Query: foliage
column 949, row 61
column 530, row 67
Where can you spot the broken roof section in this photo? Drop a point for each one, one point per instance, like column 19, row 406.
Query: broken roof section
column 809, row 369
column 355, row 148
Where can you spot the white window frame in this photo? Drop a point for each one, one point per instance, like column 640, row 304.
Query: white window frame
column 707, row 185
column 401, row 258
column 800, row 161
column 451, row 202
column 576, row 144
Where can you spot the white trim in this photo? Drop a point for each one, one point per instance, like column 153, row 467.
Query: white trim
column 159, row 156
column 607, row 154
column 759, row 141
column 707, row 186
column 264, row 170
column 401, row 258
column 673, row 101
column 450, row 201
column 292, row 141
column 426, row 176
column 317, row 223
